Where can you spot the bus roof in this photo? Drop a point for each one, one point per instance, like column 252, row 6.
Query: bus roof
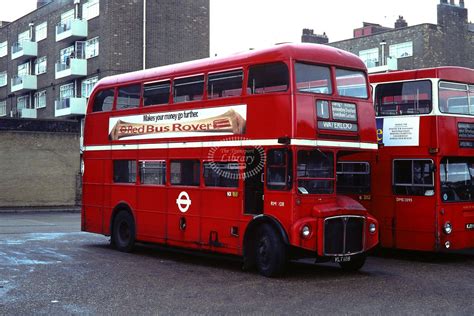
column 321, row 54
column 457, row 74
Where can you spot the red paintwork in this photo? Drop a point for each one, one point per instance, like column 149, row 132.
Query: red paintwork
column 415, row 222
column 269, row 116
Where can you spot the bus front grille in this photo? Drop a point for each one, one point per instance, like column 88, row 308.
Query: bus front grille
column 343, row 235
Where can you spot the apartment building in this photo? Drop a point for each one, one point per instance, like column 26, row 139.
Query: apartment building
column 51, row 58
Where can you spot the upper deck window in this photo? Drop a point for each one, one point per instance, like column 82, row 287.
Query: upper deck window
column 456, row 98
column 128, row 97
column 268, row 78
column 313, row 78
column 103, row 100
column 189, row 89
column 403, row 98
column 156, row 93
column 225, row 84
column 351, row 83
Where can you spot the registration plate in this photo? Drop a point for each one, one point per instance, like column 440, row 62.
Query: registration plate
column 342, row 259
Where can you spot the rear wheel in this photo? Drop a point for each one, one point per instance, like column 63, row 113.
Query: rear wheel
column 270, row 252
column 123, row 232
column 355, row 264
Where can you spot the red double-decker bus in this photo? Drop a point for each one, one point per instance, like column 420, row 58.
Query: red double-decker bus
column 423, row 173
column 233, row 155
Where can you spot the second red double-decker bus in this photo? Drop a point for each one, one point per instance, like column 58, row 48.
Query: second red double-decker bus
column 423, row 173
column 234, row 155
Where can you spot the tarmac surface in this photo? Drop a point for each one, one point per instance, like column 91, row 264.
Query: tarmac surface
column 47, row 266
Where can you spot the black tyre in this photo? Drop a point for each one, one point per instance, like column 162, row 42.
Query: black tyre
column 354, row 265
column 270, row 252
column 123, row 232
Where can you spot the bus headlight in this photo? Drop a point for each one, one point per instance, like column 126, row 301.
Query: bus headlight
column 306, row 231
column 448, row 229
column 372, row 228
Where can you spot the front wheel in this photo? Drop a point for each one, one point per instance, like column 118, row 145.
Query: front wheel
column 123, row 232
column 271, row 252
column 355, row 264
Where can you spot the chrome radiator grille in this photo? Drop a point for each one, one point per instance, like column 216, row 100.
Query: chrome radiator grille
column 343, row 235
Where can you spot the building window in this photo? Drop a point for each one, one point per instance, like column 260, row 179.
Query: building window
column 23, row 102
column 41, row 31
column 87, row 85
column 66, row 91
column 92, row 48
column 401, row 50
column 24, row 36
column 3, row 49
column 40, row 99
column 370, row 57
column 3, row 79
column 40, row 65
column 23, row 69
column 66, row 17
column 3, row 108
column 90, row 9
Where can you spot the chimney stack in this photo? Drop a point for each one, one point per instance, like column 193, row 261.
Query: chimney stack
column 400, row 22
column 451, row 2
column 461, row 3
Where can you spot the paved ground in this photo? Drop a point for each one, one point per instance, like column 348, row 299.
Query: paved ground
column 48, row 267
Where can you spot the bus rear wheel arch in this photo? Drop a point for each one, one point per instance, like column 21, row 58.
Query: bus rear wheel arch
column 123, row 230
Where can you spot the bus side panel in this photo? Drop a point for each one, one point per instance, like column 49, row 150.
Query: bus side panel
column 151, row 213
column 183, row 219
column 221, row 208
column 93, row 194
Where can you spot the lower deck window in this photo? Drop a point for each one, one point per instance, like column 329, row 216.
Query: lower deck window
column 153, row 172
column 125, row 171
column 221, row 174
column 413, row 177
column 457, row 179
column 185, row 172
column 353, row 177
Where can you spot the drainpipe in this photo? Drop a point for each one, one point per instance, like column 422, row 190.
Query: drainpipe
column 144, row 34
column 76, row 9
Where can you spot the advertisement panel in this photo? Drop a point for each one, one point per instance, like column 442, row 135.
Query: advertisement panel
column 398, row 131
column 227, row 120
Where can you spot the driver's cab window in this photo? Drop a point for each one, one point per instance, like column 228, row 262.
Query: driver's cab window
column 279, row 169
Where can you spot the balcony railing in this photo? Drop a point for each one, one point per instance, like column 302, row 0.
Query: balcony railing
column 71, row 29
column 71, row 67
column 24, row 49
column 71, row 106
column 21, row 83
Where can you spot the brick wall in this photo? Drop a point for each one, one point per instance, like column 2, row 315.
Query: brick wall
column 39, row 164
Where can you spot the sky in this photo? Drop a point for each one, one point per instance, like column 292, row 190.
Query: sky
column 238, row 25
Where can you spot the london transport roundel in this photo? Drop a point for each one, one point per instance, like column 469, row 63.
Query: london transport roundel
column 183, row 201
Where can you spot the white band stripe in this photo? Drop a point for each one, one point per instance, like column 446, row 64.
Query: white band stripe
column 234, row 143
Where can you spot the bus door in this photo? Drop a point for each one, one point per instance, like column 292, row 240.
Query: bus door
column 253, row 181
column 279, row 178
column 415, row 204
column 184, row 202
